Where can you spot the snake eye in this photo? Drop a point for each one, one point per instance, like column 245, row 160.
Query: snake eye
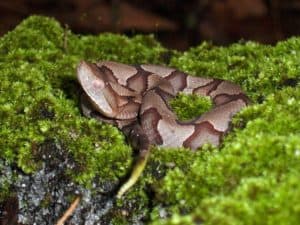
column 97, row 83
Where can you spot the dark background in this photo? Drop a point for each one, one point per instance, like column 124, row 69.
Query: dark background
column 177, row 24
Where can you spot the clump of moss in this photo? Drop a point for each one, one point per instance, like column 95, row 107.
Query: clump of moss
column 38, row 58
column 188, row 107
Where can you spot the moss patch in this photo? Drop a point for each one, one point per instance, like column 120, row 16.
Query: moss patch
column 252, row 178
column 39, row 97
column 188, row 107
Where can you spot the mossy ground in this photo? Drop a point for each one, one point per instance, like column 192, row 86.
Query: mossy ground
column 252, row 178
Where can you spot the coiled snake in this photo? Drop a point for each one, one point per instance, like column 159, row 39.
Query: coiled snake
column 135, row 99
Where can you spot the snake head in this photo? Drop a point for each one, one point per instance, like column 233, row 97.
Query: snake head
column 96, row 86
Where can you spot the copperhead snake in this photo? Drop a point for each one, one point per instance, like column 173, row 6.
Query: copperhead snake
column 135, row 99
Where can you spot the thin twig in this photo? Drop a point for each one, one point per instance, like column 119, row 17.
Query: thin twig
column 69, row 211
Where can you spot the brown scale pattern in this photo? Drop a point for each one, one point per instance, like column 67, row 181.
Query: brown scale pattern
column 135, row 98
column 140, row 94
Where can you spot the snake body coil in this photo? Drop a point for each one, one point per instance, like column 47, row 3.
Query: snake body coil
column 135, row 99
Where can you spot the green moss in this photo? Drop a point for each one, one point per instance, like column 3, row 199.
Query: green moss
column 252, row 178
column 190, row 106
column 39, row 100
column 253, row 202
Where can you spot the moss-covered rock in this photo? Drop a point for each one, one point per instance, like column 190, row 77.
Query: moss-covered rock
column 49, row 152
